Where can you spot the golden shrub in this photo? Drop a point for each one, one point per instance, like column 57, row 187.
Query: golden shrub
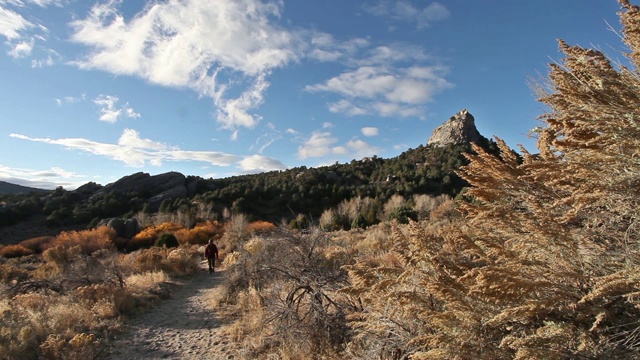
column 148, row 236
column 17, row 250
column 89, row 241
column 200, row 234
column 261, row 227
column 37, row 244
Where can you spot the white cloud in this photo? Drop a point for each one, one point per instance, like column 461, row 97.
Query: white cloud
column 327, row 125
column 189, row 43
column 385, row 91
column 109, row 111
column 407, row 12
column 318, row 145
column 137, row 152
column 347, row 107
column 22, row 49
column 22, row 34
column 70, row 99
column 340, row 150
column 327, row 49
column 259, row 163
column 362, row 148
column 12, row 24
column 370, row 131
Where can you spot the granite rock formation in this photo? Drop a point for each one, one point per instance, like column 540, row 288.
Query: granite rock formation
column 459, row 129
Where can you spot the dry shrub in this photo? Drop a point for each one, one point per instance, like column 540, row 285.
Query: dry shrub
column 394, row 203
column 79, row 347
column 183, row 261
column 424, row 204
column 4, row 306
column 337, row 256
column 260, row 227
column 297, row 275
column 179, row 261
column 61, row 257
column 144, row 260
column 142, row 282
column 375, row 239
column 17, row 250
column 89, row 241
column 446, row 211
column 37, row 244
column 11, row 272
column 254, row 246
column 231, row 259
column 148, row 236
column 249, row 305
column 236, row 232
column 199, row 234
column 27, row 327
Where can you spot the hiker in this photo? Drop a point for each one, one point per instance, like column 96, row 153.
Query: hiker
column 211, row 254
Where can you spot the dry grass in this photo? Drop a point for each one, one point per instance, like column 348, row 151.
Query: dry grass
column 62, row 305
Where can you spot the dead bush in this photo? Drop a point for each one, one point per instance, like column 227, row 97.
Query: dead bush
column 297, row 276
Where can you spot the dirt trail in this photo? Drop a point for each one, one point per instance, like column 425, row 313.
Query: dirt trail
column 184, row 326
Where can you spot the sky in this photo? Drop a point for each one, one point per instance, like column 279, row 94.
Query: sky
column 91, row 91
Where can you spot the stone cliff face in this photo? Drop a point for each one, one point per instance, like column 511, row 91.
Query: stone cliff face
column 459, row 129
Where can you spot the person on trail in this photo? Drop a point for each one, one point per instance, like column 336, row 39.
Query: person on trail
column 211, row 254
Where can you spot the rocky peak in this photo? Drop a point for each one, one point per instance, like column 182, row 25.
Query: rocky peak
column 459, row 129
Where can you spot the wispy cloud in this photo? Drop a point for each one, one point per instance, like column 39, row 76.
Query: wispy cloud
column 22, row 34
column 269, row 136
column 135, row 151
column 110, row 112
column 22, row 49
column 12, row 24
column 405, row 11
column 70, row 99
column 212, row 47
column 41, row 179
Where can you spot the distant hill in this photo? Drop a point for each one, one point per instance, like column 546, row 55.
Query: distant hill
column 8, row 188
column 274, row 196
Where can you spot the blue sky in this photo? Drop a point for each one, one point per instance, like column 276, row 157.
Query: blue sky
column 94, row 91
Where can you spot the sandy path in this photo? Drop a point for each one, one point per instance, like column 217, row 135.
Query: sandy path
column 185, row 326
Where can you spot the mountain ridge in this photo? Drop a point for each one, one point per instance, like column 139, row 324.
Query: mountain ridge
column 11, row 188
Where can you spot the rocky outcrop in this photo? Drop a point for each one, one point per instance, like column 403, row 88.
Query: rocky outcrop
column 124, row 228
column 155, row 188
column 459, row 129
